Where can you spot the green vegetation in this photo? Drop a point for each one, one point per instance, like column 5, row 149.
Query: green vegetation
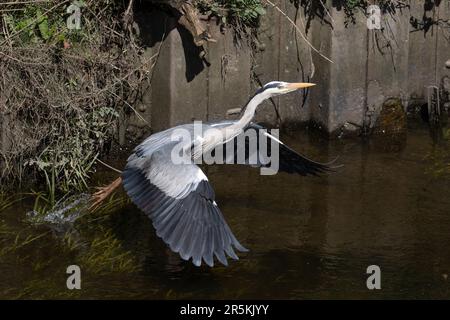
column 32, row 26
column 383, row 4
column 18, row 242
column 439, row 164
column 90, row 242
column 64, row 89
column 235, row 12
column 439, row 158
column 105, row 255
column 6, row 201
column 248, row 12
column 353, row 3
column 111, row 204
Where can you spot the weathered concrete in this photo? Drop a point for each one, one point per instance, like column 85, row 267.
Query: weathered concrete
column 370, row 66
column 443, row 48
column 387, row 64
column 178, row 96
column 422, row 58
column 348, row 74
column 228, row 84
column 294, row 63
column 267, row 59
column 321, row 38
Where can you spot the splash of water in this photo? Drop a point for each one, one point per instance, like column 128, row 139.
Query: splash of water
column 65, row 212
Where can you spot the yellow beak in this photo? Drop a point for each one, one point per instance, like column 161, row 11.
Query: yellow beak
column 299, row 85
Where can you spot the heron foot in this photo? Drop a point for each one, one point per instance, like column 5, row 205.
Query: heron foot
column 103, row 192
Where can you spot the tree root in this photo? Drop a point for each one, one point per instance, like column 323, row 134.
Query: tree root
column 191, row 21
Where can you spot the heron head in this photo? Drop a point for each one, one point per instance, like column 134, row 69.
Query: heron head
column 276, row 88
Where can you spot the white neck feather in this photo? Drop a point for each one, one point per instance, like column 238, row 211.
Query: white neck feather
column 250, row 110
column 236, row 128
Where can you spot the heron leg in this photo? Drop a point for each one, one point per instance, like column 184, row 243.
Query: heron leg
column 103, row 192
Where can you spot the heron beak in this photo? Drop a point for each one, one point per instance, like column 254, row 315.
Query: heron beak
column 299, row 85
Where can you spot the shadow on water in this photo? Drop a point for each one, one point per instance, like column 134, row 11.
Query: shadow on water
column 308, row 237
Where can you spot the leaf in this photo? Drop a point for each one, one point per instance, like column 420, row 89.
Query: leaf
column 43, row 25
column 260, row 10
column 80, row 3
column 10, row 22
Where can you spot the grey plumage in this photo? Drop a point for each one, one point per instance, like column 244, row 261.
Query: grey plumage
column 180, row 201
column 178, row 197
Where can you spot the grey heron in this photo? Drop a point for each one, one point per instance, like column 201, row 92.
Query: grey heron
column 178, row 197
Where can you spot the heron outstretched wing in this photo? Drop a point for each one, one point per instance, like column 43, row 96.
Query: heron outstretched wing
column 178, row 197
column 180, row 202
column 290, row 161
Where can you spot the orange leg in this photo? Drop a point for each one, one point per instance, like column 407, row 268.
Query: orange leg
column 103, row 192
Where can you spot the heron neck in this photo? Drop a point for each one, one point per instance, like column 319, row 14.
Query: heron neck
column 250, row 110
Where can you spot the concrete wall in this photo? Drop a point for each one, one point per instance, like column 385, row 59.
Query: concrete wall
column 369, row 67
column 179, row 95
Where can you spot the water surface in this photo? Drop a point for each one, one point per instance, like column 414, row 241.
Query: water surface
column 308, row 237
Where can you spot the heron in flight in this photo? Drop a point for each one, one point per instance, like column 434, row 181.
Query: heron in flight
column 178, row 197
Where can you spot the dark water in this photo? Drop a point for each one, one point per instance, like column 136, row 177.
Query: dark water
column 308, row 237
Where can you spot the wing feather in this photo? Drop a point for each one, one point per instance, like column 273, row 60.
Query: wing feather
column 185, row 215
column 290, row 161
